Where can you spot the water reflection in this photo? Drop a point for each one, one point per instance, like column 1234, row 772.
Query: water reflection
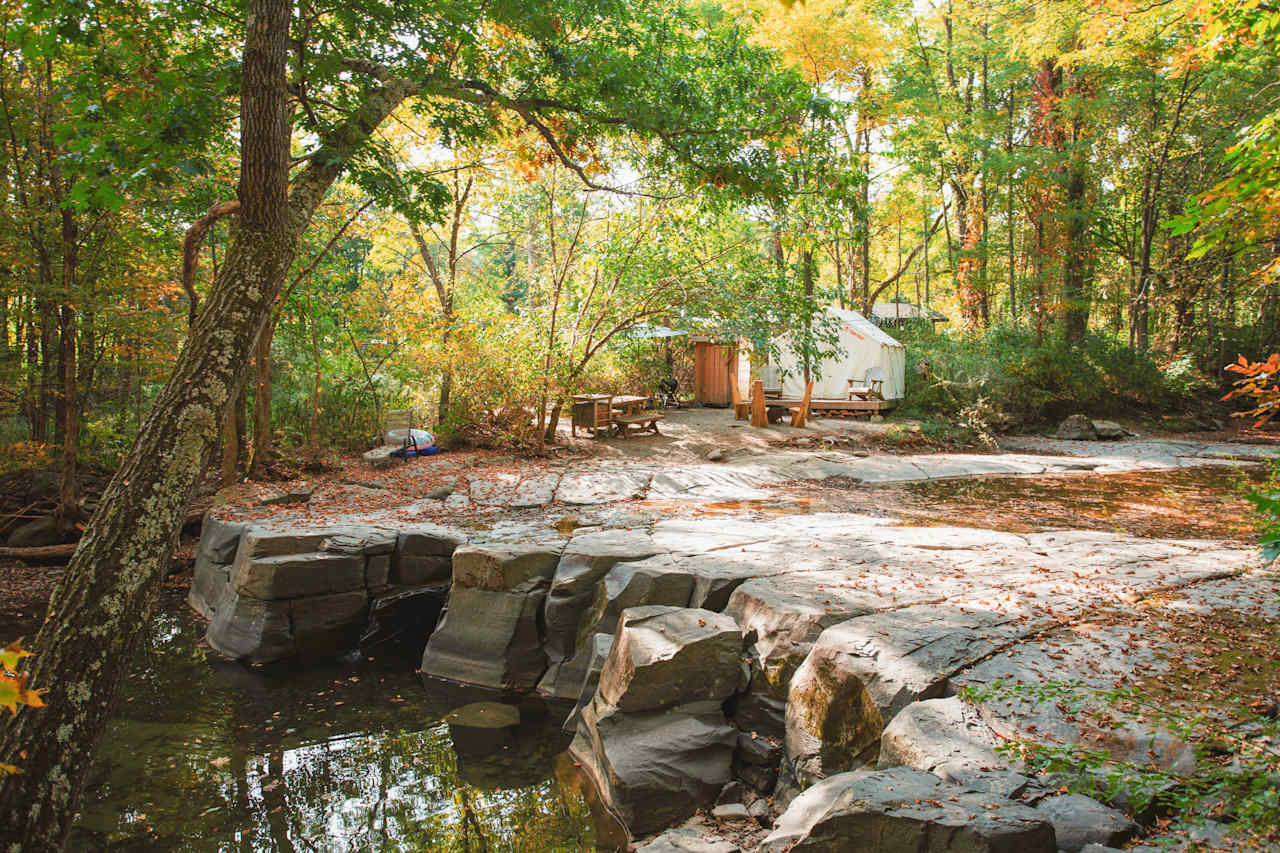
column 209, row 756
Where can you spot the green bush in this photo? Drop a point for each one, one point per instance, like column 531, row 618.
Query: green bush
column 1002, row 379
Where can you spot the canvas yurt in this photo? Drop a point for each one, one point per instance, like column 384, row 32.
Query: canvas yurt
column 861, row 345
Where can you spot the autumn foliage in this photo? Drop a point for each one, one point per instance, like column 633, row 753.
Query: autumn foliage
column 1259, row 381
column 14, row 690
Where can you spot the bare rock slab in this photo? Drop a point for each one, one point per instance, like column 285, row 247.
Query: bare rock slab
column 1092, row 659
column 682, row 840
column 906, row 811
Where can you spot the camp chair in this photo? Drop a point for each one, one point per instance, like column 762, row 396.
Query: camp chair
column 872, row 385
column 800, row 414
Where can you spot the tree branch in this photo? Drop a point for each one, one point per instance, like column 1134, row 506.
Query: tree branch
column 191, row 251
column 905, row 265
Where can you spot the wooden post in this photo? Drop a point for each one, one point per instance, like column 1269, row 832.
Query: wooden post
column 800, row 416
column 759, row 417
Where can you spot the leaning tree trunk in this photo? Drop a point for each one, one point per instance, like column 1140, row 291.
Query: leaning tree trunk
column 100, row 607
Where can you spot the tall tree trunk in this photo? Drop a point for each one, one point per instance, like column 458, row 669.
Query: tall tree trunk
column 866, row 225
column 44, row 397
column 68, row 512
column 807, row 260
column 1008, row 149
column 924, row 241
column 262, row 401
column 87, row 360
column 35, row 426
column 101, row 605
column 984, row 290
column 230, row 466
column 317, row 382
column 1076, row 314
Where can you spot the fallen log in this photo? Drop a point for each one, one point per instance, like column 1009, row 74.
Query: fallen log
column 40, row 552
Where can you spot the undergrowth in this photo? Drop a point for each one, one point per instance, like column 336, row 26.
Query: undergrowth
column 1002, row 379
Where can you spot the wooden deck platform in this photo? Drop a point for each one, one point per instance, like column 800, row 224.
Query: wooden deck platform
column 827, row 407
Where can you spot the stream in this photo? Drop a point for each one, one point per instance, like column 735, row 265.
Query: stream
column 209, row 755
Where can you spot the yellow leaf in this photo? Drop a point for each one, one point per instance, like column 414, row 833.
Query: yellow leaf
column 11, row 654
column 14, row 692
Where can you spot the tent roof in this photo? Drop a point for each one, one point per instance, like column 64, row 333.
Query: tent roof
column 863, row 326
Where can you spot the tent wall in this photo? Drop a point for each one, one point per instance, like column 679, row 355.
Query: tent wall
column 862, row 345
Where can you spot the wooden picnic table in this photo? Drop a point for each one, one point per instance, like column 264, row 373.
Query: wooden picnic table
column 615, row 413
column 629, row 403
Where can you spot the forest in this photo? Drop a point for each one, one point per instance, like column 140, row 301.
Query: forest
column 1093, row 176
column 238, row 234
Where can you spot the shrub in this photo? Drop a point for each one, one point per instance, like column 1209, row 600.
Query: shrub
column 1002, row 379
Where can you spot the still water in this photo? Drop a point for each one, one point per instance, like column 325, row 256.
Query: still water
column 207, row 755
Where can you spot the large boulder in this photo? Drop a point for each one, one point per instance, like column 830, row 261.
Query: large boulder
column 665, row 656
column 936, row 732
column 676, row 579
column 784, row 615
column 297, row 575
column 1076, row 428
column 1110, row 430
column 253, row 630
column 657, row 581
column 586, row 559
column 220, row 538
column 905, row 811
column 326, row 626
column 504, row 568
column 491, row 634
column 654, row 738
column 423, row 555
column 656, row 768
column 626, row 584
column 601, row 645
column 488, row 638
column 861, row 673
column 1079, row 820
column 264, row 631
column 210, row 583
column 36, row 533
column 273, row 591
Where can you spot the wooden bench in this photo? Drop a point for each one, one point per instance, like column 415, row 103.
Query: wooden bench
column 642, row 422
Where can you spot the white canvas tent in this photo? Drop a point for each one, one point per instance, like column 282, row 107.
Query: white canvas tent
column 862, row 344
